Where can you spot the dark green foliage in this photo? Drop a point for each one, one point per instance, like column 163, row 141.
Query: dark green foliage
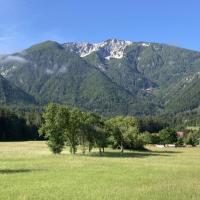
column 18, row 126
column 187, row 98
column 55, row 119
column 71, row 126
column 168, row 136
column 180, row 141
column 147, row 138
column 155, row 139
column 151, row 124
column 73, row 129
column 12, row 95
column 94, row 131
column 125, row 133
column 150, row 138
column 191, row 138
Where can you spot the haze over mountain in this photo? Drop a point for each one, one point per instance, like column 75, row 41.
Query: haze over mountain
column 111, row 77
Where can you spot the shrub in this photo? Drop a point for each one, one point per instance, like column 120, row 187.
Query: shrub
column 180, row 141
column 146, row 137
column 191, row 138
column 168, row 136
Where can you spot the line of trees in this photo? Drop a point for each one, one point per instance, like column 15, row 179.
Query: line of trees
column 72, row 127
column 164, row 136
column 15, row 126
column 23, row 124
column 168, row 136
column 190, row 138
column 62, row 126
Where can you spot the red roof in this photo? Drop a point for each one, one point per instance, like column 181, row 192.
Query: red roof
column 180, row 133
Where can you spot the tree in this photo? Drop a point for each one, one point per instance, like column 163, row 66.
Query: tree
column 155, row 138
column 14, row 126
column 180, row 141
column 93, row 131
column 86, row 135
column 151, row 124
column 168, row 136
column 73, row 129
column 191, row 138
column 124, row 132
column 101, row 137
column 84, row 131
column 54, row 126
column 133, row 139
column 146, row 137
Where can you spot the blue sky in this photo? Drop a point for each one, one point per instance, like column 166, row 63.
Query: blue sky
column 25, row 22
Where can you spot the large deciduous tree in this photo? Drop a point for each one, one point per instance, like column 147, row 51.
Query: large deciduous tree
column 54, row 126
column 93, row 132
column 124, row 132
column 73, row 129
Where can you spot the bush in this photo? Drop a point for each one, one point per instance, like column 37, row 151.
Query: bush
column 135, row 142
column 191, row 138
column 155, row 139
column 168, row 136
column 180, row 141
column 146, row 137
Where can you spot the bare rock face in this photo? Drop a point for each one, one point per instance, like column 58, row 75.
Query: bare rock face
column 112, row 48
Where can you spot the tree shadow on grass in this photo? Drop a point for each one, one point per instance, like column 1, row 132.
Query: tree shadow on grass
column 134, row 154
column 16, row 171
column 165, row 151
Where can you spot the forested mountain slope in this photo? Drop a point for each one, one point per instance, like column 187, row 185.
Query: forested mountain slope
column 111, row 77
column 12, row 95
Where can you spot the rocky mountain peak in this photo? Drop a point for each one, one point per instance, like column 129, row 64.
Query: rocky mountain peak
column 112, row 48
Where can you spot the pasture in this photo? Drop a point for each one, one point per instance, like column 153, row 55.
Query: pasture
column 28, row 170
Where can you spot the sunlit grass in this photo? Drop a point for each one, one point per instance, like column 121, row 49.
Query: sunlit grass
column 28, row 170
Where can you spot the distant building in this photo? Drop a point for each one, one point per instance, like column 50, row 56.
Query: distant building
column 180, row 133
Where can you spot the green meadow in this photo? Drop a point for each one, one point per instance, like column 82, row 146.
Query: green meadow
column 28, row 170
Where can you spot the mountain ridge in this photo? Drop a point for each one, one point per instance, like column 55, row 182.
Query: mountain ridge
column 143, row 77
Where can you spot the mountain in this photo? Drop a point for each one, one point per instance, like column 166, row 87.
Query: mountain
column 110, row 48
column 187, row 97
column 161, row 70
column 110, row 77
column 12, row 95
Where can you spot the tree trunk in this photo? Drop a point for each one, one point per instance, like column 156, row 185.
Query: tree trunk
column 83, row 149
column 90, row 147
column 122, row 148
column 100, row 152
column 103, row 149
column 83, row 145
column 73, row 149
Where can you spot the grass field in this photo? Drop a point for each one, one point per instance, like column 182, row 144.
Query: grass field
column 28, row 170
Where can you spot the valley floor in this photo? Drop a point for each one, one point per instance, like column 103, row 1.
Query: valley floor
column 28, row 170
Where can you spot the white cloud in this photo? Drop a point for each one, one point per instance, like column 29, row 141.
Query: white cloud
column 11, row 58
